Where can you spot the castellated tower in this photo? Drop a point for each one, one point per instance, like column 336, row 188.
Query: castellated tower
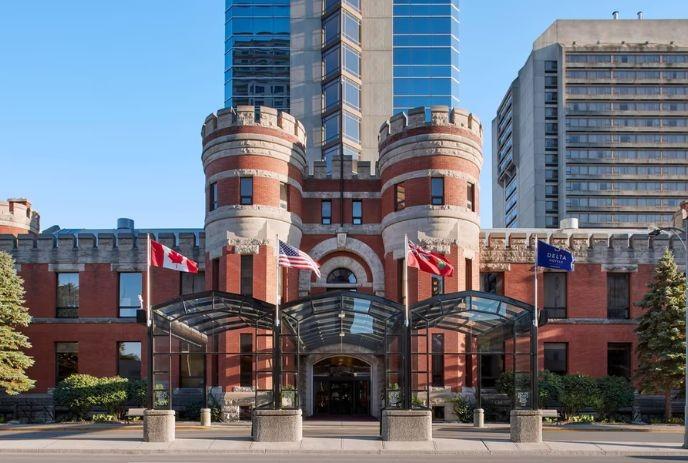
column 415, row 153
column 254, row 165
column 18, row 218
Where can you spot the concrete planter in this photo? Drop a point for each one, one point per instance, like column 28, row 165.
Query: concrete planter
column 205, row 417
column 406, row 425
column 479, row 418
column 526, row 426
column 158, row 425
column 277, row 425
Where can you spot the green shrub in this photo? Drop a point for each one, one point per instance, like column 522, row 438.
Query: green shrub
column 587, row 419
column 462, row 409
column 549, row 388
column 615, row 392
column 77, row 393
column 81, row 393
column 137, row 390
column 579, row 392
column 103, row 418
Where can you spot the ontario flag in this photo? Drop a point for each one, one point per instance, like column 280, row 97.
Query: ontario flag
column 162, row 256
column 427, row 261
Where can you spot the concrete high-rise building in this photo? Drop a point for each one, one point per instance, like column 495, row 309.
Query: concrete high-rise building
column 341, row 67
column 595, row 127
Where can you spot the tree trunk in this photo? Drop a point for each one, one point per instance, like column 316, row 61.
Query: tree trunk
column 667, row 405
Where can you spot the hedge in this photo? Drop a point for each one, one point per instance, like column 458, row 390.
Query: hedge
column 83, row 393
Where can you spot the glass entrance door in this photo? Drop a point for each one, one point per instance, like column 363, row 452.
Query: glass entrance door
column 342, row 387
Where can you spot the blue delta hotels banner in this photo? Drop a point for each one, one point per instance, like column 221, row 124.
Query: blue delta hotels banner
column 553, row 257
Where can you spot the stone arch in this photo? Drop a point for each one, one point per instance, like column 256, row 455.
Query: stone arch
column 354, row 246
column 363, row 354
column 343, row 262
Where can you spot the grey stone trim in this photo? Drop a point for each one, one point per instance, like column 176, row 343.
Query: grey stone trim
column 320, row 229
column 260, row 211
column 83, row 320
column 254, row 173
column 129, row 266
column 427, row 173
column 628, row 268
column 591, row 321
column 429, row 212
column 347, row 194
column 66, row 267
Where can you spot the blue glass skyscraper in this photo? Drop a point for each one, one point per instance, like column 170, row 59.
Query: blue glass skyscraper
column 257, row 53
column 426, row 53
column 342, row 67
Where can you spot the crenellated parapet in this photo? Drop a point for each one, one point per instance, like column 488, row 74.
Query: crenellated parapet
column 17, row 217
column 615, row 251
column 122, row 250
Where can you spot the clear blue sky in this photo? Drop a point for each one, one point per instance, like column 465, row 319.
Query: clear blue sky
column 101, row 103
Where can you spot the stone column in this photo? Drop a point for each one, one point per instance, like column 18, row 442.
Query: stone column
column 406, row 425
column 205, row 417
column 479, row 418
column 277, row 426
column 158, row 426
column 526, row 426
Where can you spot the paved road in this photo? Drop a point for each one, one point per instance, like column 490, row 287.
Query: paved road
column 333, row 429
column 333, row 459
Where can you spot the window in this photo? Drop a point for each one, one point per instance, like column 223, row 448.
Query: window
column 492, row 282
column 246, row 360
column 246, row 274
column 341, row 276
column 401, row 265
column 67, row 295
column 192, row 282
column 191, row 367
column 470, row 196
column 618, row 295
column 357, row 212
column 619, row 359
column 438, row 360
column 437, row 190
column 352, row 28
column 66, row 360
column 399, row 196
column 216, row 274
column 352, row 127
column 326, row 212
column 246, row 190
column 129, row 360
column 469, row 274
column 556, row 357
column 213, row 201
column 284, row 196
column 555, row 294
column 130, row 288
column 437, row 283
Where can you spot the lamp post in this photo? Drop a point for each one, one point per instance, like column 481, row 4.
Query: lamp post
column 675, row 231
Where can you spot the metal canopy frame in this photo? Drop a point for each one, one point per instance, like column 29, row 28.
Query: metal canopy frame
column 332, row 318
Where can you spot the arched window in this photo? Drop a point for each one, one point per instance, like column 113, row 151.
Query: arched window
column 342, row 276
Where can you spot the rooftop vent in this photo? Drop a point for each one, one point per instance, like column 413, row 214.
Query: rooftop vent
column 125, row 225
column 640, row 15
column 615, row 14
column 570, row 223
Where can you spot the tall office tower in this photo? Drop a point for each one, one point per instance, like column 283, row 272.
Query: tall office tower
column 595, row 127
column 342, row 67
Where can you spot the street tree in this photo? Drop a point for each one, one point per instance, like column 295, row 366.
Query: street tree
column 661, row 332
column 13, row 343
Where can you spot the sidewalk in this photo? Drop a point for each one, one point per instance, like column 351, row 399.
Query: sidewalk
column 329, row 446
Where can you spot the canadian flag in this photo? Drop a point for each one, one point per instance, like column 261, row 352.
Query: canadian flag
column 162, row 256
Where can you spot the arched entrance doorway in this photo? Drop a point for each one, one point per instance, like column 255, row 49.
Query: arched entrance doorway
column 341, row 386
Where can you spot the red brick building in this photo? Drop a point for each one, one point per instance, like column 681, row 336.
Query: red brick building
column 83, row 286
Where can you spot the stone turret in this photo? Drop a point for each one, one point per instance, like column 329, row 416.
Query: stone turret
column 416, row 147
column 18, row 218
column 264, row 149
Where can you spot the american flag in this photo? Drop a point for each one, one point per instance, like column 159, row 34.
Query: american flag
column 291, row 257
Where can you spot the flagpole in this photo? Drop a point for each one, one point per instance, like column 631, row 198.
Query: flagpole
column 149, row 324
column 405, row 282
column 534, row 333
column 277, row 286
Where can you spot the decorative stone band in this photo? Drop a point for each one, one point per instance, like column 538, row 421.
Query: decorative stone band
column 255, row 173
column 235, row 211
column 432, row 143
column 401, row 124
column 430, row 212
column 243, row 142
column 249, row 116
column 426, row 173
column 621, row 248
column 70, row 251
